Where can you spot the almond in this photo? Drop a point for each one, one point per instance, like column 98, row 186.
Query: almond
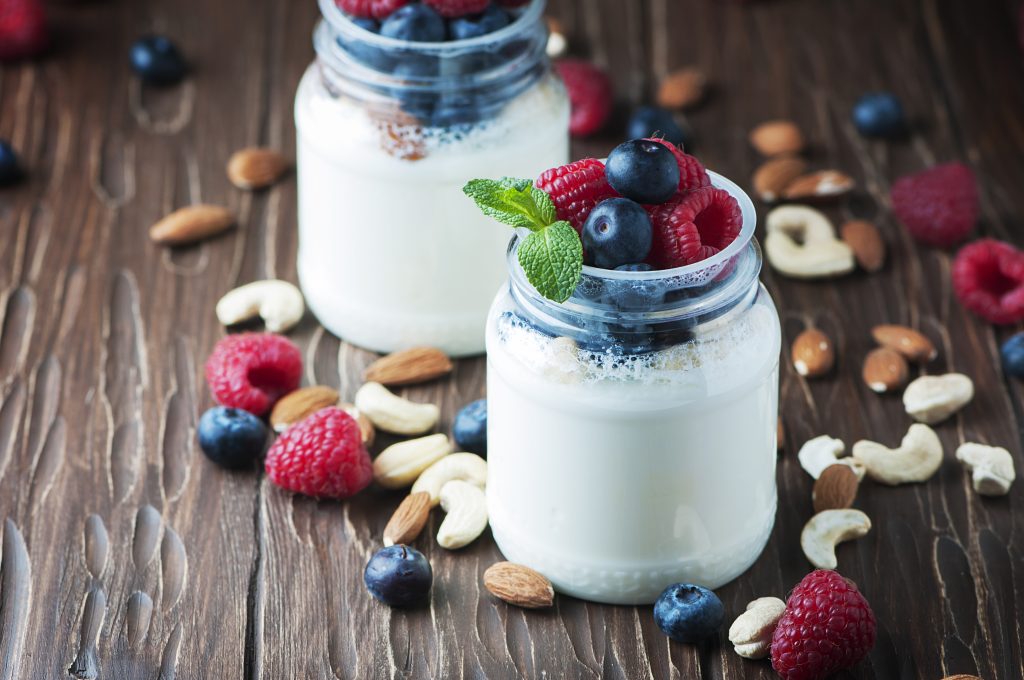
column 409, row 367
column 191, row 224
column 885, row 370
column 819, row 185
column 835, row 489
column 777, row 137
column 256, row 168
column 365, row 426
column 682, row 89
column 772, row 178
column 409, row 519
column 866, row 243
column 908, row 342
column 519, row 585
column 813, row 354
column 303, row 402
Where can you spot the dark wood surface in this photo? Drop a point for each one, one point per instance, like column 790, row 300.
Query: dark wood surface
column 114, row 519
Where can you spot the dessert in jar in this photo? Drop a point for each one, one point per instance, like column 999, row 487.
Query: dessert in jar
column 393, row 117
column 632, row 401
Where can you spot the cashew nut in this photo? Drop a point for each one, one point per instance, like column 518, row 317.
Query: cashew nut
column 802, row 243
column 751, row 633
column 818, row 453
column 391, row 413
column 933, row 398
column 278, row 303
column 466, row 506
column 991, row 468
column 468, row 467
column 400, row 464
column 829, row 528
column 916, row 460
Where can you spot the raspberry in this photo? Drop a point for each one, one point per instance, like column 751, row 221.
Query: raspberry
column 382, row 9
column 575, row 189
column 988, row 277
column 377, row 9
column 939, row 207
column 321, row 456
column 692, row 174
column 828, row 626
column 251, row 371
column 22, row 29
column 458, row 8
column 590, row 94
column 693, row 227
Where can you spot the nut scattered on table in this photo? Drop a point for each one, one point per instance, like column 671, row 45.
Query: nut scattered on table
column 991, row 468
column 835, row 488
column 468, row 467
column 191, row 224
column 751, row 633
column 278, row 303
column 776, row 137
column 466, row 506
column 683, row 88
column 399, row 465
column 913, row 345
column 885, row 370
column 918, row 457
column 818, row 453
column 519, row 585
column 409, row 367
column 819, row 185
column 866, row 242
column 802, row 243
column 774, row 175
column 303, row 402
column 813, row 354
column 931, row 399
column 829, row 528
column 408, row 520
column 256, row 168
column 391, row 413
column 558, row 41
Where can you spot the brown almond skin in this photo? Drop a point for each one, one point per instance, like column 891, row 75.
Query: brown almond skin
column 835, row 489
column 256, row 168
column 813, row 354
column 867, row 244
column 367, row 429
column 409, row 367
column 409, row 518
column 771, row 179
column 190, row 224
column 682, row 89
column 911, row 344
column 780, row 436
column 303, row 402
column 885, row 370
column 519, row 585
column 820, row 185
column 776, row 137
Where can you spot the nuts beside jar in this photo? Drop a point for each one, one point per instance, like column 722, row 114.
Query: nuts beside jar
column 826, row 530
column 885, row 370
column 931, row 399
column 813, row 354
column 391, row 413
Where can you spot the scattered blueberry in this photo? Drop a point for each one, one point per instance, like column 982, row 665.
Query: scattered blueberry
column 414, row 23
column 157, row 60
column 10, row 167
column 879, row 114
column 1013, row 356
column 470, row 427
column 654, row 121
column 231, row 437
column 492, row 19
column 399, row 576
column 644, row 171
column 688, row 613
column 618, row 231
column 634, row 295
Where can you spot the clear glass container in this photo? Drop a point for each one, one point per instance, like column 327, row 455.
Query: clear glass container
column 391, row 254
column 631, row 429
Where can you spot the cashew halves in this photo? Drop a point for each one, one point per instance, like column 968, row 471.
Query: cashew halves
column 391, row 413
column 466, row 506
column 818, row 453
column 829, row 528
column 916, row 460
column 802, row 243
column 991, row 468
column 933, row 398
column 751, row 633
column 401, row 464
column 278, row 303
column 468, row 467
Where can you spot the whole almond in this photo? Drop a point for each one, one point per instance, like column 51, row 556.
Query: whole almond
column 409, row 519
column 191, row 224
column 256, row 168
column 813, row 354
column 771, row 179
column 682, row 89
column 819, row 185
column 409, row 367
column 777, row 137
column 295, row 406
column 519, row 585
column 908, row 342
column 366, row 427
column 885, row 370
column 866, row 243
column 835, row 488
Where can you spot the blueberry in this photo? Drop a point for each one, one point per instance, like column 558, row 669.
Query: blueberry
column 492, row 19
column 231, row 437
column 618, row 231
column 654, row 121
column 644, row 171
column 10, row 167
column 399, row 576
column 367, row 24
column 879, row 114
column 414, row 23
column 688, row 613
column 157, row 60
column 470, row 427
column 634, row 295
column 1013, row 356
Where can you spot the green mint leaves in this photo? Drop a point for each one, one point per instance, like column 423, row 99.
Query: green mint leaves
column 551, row 255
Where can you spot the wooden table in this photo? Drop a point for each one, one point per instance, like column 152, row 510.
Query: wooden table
column 126, row 554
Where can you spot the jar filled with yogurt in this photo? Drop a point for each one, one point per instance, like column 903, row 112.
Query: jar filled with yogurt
column 392, row 118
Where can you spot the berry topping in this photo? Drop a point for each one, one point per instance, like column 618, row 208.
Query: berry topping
column 643, row 170
column 590, row 95
column 617, row 232
column 321, row 456
column 382, row 9
column 370, row 9
column 688, row 613
column 10, row 168
column 231, row 437
column 1012, row 352
column 988, row 277
column 464, row 28
column 414, row 23
column 470, row 427
column 399, row 576
column 692, row 174
column 22, row 29
column 655, row 121
column 694, row 227
column 828, row 626
column 458, row 8
column 939, row 207
column 157, row 60
column 575, row 189
column 879, row 114
column 251, row 371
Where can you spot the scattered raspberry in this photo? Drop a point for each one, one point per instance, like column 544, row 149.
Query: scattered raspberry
column 828, row 626
column 251, row 371
column 458, row 8
column 692, row 174
column 939, row 207
column 22, row 29
column 988, row 277
column 321, row 456
column 575, row 189
column 693, row 227
column 590, row 94
column 377, row 9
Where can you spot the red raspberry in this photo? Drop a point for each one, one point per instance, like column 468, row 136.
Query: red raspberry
column 828, row 627
column 458, row 8
column 321, row 456
column 693, row 227
column 988, row 277
column 22, row 29
column 939, row 207
column 251, row 371
column 590, row 94
column 575, row 189
column 692, row 174
column 377, row 9
column 382, row 9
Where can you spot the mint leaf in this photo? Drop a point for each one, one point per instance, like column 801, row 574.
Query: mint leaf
column 553, row 260
column 512, row 201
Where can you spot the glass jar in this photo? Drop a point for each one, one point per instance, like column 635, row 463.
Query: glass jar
column 391, row 254
column 631, row 429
